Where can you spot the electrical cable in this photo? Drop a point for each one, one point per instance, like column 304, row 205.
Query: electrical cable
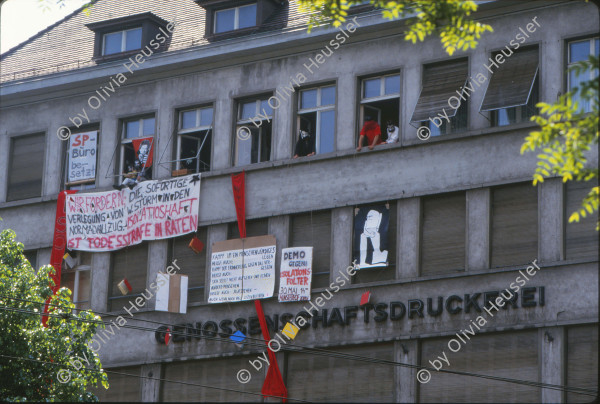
column 323, row 352
column 155, row 378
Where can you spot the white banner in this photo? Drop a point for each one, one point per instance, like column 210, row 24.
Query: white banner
column 152, row 210
column 82, row 156
column 242, row 269
column 295, row 274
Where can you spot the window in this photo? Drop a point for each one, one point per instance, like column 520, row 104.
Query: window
column 309, row 376
column 316, row 116
column 194, row 140
column 443, row 232
column 129, row 263
column 136, row 152
column 578, row 51
column 582, row 363
column 122, row 41
column 513, row 88
column 193, row 265
column 314, row 230
column 389, row 272
column 581, row 237
column 253, row 132
column 235, row 18
column 31, row 256
column 77, row 278
column 81, row 161
column 26, row 167
column 514, row 238
column 500, row 355
column 380, row 101
column 122, row 387
column 438, row 107
column 256, row 227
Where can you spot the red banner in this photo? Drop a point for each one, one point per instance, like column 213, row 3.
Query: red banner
column 58, row 245
column 239, row 196
column 143, row 150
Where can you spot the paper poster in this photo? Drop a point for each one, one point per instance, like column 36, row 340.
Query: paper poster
column 82, row 156
column 144, row 150
column 172, row 293
column 370, row 243
column 152, row 210
column 295, row 274
column 242, row 269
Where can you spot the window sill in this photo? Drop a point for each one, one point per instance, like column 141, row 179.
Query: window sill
column 29, row 201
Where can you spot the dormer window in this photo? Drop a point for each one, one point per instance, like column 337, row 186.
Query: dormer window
column 235, row 18
column 122, row 41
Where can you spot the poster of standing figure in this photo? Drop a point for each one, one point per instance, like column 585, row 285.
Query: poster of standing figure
column 370, row 243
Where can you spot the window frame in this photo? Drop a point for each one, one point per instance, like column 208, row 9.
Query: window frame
column 240, row 123
column 123, row 33
column 236, row 18
column 77, row 270
column 594, row 74
column 208, row 130
column 319, row 109
column 124, row 140
column 12, row 139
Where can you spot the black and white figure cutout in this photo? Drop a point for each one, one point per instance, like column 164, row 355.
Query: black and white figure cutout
column 370, row 249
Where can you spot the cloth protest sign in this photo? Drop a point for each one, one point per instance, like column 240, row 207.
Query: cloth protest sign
column 152, row 210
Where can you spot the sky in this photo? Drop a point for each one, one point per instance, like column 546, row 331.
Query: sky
column 21, row 19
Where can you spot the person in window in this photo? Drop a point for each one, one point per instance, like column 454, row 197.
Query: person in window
column 372, row 131
column 392, row 133
column 139, row 172
column 305, row 146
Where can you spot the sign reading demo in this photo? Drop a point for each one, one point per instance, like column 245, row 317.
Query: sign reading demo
column 152, row 210
column 295, row 274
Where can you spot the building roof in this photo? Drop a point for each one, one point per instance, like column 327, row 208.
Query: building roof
column 69, row 44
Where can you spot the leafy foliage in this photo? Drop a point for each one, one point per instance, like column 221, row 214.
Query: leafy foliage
column 46, row 5
column 449, row 17
column 566, row 136
column 24, row 336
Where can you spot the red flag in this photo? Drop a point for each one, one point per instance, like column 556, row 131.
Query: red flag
column 273, row 385
column 239, row 196
column 58, row 246
column 145, row 157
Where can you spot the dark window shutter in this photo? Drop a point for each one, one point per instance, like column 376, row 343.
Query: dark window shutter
column 215, row 373
column 311, row 377
column 256, row 227
column 314, row 230
column 193, row 265
column 582, row 360
column 443, row 234
column 511, row 355
column 26, row 167
column 514, row 239
column 440, row 82
column 130, row 263
column 512, row 81
column 122, row 388
column 383, row 274
column 581, row 237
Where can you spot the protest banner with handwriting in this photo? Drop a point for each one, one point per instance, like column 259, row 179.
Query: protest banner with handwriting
column 295, row 274
column 152, row 210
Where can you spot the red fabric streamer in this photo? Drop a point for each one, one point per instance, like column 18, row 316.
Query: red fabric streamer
column 238, row 182
column 273, row 385
column 58, row 246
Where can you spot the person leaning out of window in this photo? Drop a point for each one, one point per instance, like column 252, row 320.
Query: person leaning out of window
column 305, row 146
column 372, row 131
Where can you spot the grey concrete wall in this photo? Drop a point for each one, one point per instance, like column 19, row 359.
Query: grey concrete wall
column 478, row 229
column 553, row 344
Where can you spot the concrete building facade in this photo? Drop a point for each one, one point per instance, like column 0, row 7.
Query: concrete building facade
column 464, row 224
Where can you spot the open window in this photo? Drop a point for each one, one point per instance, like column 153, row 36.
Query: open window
column 316, row 116
column 253, row 131
column 513, row 88
column 76, row 275
column 441, row 81
column 380, row 101
column 194, row 141
column 136, row 149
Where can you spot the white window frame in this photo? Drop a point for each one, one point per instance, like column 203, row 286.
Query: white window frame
column 592, row 42
column 123, row 40
column 236, row 18
column 258, row 114
column 197, row 128
column 318, row 109
column 382, row 96
column 125, row 140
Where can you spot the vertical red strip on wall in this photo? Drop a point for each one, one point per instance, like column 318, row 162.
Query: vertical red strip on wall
column 58, row 245
column 273, row 385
